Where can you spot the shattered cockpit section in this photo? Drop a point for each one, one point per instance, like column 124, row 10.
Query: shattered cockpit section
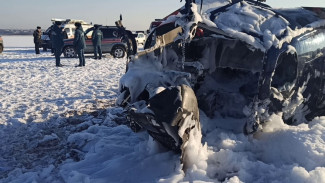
column 241, row 59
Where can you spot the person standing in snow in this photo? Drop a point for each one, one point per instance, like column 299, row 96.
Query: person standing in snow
column 37, row 39
column 57, row 42
column 128, row 38
column 79, row 43
column 97, row 38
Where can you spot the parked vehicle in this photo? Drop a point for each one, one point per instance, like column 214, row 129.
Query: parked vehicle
column 157, row 21
column 46, row 41
column 140, row 37
column 111, row 43
column 154, row 24
column 1, row 45
column 246, row 62
column 67, row 25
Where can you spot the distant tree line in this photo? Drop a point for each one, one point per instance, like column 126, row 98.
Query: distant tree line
column 16, row 32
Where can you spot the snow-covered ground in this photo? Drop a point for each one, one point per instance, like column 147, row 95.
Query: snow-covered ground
column 61, row 125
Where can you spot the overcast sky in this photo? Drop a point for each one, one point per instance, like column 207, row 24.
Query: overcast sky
column 137, row 14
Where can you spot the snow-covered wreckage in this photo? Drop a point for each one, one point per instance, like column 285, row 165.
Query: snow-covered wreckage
column 238, row 59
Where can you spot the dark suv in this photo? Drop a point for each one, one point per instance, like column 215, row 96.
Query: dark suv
column 1, row 45
column 46, row 41
column 111, row 43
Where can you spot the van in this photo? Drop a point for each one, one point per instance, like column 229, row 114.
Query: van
column 140, row 37
column 67, row 25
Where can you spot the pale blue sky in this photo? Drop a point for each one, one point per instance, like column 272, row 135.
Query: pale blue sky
column 137, row 14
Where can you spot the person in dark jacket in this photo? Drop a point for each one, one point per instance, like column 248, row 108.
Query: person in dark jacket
column 57, row 42
column 50, row 41
column 79, row 43
column 128, row 38
column 97, row 38
column 37, row 39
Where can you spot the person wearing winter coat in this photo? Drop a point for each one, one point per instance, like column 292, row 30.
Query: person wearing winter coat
column 79, row 43
column 37, row 39
column 57, row 42
column 128, row 38
column 97, row 38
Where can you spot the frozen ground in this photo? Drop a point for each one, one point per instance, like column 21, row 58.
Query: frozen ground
column 35, row 90
column 61, row 125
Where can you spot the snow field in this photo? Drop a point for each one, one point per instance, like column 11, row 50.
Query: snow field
column 35, row 90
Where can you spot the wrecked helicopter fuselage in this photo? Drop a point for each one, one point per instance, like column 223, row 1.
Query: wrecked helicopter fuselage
column 242, row 60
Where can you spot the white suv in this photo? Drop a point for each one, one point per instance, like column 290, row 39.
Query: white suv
column 140, row 37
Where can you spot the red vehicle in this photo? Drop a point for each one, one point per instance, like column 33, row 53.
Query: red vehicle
column 157, row 22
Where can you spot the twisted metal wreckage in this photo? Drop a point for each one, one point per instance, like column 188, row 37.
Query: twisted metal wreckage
column 242, row 60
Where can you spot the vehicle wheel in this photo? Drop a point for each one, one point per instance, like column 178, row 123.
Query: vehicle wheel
column 69, row 52
column 1, row 48
column 118, row 52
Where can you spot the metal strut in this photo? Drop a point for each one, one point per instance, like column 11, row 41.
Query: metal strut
column 183, row 54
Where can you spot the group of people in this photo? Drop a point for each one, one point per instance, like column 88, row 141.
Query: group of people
column 79, row 42
column 58, row 34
